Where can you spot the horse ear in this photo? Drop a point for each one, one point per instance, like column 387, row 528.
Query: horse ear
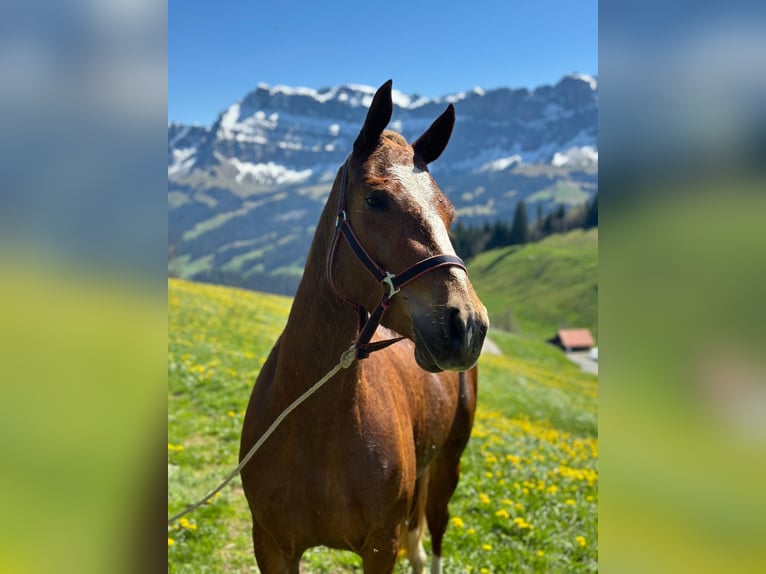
column 378, row 116
column 433, row 141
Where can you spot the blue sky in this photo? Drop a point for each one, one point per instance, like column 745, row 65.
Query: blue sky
column 219, row 50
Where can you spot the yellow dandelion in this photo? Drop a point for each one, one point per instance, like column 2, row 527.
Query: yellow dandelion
column 470, row 531
column 507, row 502
column 580, row 541
column 522, row 524
column 458, row 522
column 569, row 501
column 486, row 547
column 518, row 506
column 232, row 414
column 553, row 489
column 170, row 542
column 484, row 570
column 540, row 553
column 488, row 474
column 484, row 498
column 502, row 513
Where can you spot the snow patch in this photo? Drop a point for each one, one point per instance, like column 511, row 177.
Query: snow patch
column 576, row 156
column 229, row 120
column 588, row 79
column 268, row 173
column 500, row 164
column 183, row 160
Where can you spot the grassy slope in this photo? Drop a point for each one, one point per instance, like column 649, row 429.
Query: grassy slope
column 529, row 483
column 539, row 288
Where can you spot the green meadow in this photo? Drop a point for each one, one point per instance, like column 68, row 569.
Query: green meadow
column 538, row 288
column 528, row 495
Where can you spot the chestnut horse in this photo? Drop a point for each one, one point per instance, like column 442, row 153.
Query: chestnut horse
column 374, row 455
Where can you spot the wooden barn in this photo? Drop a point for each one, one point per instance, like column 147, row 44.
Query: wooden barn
column 573, row 340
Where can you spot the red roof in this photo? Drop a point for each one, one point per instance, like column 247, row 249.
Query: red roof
column 576, row 338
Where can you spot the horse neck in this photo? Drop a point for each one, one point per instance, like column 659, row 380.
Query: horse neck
column 321, row 326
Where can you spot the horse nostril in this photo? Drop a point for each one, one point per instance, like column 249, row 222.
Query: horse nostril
column 461, row 326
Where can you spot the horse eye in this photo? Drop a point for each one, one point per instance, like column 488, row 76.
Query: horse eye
column 376, row 202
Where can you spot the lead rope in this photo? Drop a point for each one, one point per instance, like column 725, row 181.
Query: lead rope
column 346, row 359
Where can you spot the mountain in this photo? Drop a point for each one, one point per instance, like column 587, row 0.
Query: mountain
column 244, row 194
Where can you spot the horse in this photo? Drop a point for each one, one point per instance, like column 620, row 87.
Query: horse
column 371, row 458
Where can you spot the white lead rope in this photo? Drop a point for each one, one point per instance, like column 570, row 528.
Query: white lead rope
column 346, row 359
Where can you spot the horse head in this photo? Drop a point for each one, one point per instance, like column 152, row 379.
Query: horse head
column 401, row 217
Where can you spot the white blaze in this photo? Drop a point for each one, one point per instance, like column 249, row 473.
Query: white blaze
column 418, row 183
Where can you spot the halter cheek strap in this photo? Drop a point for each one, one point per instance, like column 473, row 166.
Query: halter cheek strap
column 390, row 284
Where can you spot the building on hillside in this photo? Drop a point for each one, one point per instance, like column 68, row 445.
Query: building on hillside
column 573, row 340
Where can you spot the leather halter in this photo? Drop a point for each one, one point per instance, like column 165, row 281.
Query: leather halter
column 391, row 284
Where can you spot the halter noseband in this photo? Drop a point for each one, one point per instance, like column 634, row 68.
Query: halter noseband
column 391, row 284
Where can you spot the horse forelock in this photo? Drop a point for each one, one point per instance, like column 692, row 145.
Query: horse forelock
column 393, row 149
column 384, row 170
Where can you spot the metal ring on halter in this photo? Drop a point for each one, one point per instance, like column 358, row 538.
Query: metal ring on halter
column 388, row 280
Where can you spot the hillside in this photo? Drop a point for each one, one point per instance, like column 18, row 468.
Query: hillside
column 244, row 194
column 528, row 496
column 539, row 288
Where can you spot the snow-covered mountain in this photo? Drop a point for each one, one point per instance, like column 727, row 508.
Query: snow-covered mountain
column 278, row 134
column 257, row 177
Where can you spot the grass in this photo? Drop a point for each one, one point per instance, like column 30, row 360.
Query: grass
column 527, row 500
column 539, row 288
column 568, row 192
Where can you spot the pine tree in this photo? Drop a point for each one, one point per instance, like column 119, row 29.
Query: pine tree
column 591, row 217
column 520, row 229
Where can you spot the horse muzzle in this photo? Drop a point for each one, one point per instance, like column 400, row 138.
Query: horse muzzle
column 451, row 342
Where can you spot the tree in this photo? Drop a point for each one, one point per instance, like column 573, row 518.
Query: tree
column 500, row 235
column 591, row 216
column 520, row 228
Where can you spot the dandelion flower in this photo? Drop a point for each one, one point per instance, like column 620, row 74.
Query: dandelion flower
column 484, row 498
column 507, row 502
column 470, row 531
column 502, row 513
column 580, row 541
column 569, row 501
column 540, row 553
column 170, row 542
column 458, row 522
column 487, row 547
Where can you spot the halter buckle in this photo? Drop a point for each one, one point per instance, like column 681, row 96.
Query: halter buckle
column 388, row 281
column 341, row 217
